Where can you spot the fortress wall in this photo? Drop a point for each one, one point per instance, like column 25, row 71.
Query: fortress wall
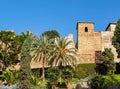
column 86, row 42
column 97, row 41
column 86, row 52
column 107, row 43
column 86, row 58
column 106, row 39
column 70, row 38
column 82, row 25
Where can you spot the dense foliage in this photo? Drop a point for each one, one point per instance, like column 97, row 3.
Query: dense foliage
column 108, row 65
column 42, row 52
column 21, row 48
column 25, row 70
column 10, row 46
column 9, row 49
column 105, row 82
column 63, row 55
column 116, row 38
column 11, row 77
column 56, row 76
column 84, row 70
column 52, row 34
column 52, row 74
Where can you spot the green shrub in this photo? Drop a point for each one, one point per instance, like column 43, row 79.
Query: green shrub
column 98, row 82
column 102, row 82
column 34, row 80
column 52, row 74
column 74, row 80
column 54, row 77
column 67, row 73
column 112, row 79
column 11, row 77
column 84, row 70
column 36, row 72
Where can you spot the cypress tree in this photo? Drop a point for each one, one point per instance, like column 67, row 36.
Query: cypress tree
column 25, row 70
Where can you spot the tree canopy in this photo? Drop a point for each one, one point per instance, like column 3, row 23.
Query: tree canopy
column 116, row 38
column 42, row 52
column 51, row 34
column 8, row 48
column 108, row 65
column 63, row 54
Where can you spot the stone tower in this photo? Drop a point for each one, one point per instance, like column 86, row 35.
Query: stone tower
column 88, row 42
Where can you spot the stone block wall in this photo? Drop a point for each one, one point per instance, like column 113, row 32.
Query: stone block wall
column 88, row 42
column 91, row 43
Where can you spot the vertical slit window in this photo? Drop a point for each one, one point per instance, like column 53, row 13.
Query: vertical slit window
column 86, row 29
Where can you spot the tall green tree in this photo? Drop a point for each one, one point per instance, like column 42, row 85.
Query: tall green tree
column 108, row 65
column 10, row 46
column 7, row 51
column 63, row 55
column 25, row 70
column 52, row 34
column 116, row 38
column 42, row 52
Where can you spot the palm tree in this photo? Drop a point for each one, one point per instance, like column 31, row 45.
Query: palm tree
column 63, row 54
column 42, row 52
column 26, row 34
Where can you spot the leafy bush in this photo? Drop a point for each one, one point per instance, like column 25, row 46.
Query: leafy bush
column 67, row 73
column 74, row 80
column 108, row 65
column 112, row 79
column 52, row 74
column 36, row 72
column 60, row 77
column 98, row 82
column 84, row 70
column 103, row 82
column 9, row 76
column 34, row 80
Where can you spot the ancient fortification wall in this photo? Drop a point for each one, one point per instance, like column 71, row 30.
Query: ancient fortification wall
column 107, row 40
column 90, row 43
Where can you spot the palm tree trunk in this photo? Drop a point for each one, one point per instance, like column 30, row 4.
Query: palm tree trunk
column 43, row 73
column 60, row 74
column 43, row 70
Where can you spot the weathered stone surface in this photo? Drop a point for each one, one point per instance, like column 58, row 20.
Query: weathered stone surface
column 91, row 44
column 88, row 42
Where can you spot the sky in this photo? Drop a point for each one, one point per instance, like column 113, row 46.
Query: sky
column 39, row 16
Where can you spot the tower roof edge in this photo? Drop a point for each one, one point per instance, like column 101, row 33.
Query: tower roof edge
column 83, row 22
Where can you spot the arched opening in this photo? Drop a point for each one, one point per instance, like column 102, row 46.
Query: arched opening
column 86, row 29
